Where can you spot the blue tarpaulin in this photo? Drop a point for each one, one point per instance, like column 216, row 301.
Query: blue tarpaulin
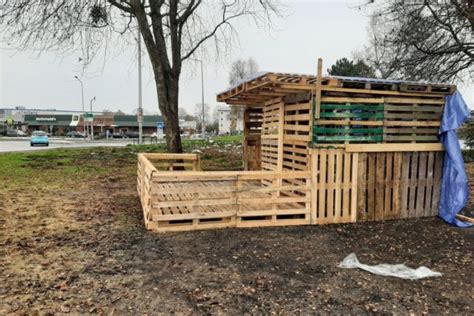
column 454, row 188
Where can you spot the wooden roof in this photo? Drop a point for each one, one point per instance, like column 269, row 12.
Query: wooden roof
column 266, row 86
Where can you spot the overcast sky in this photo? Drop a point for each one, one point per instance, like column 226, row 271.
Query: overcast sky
column 311, row 29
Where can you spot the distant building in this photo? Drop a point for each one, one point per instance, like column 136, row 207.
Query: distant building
column 129, row 123
column 225, row 121
column 56, row 124
column 187, row 125
column 61, row 124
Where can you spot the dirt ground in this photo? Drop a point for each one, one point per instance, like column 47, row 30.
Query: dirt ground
column 72, row 240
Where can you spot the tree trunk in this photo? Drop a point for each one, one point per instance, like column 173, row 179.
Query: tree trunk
column 168, row 92
column 166, row 77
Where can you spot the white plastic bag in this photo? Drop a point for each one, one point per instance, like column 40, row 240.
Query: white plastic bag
column 395, row 270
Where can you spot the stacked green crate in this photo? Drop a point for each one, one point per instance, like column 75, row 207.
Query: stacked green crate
column 345, row 123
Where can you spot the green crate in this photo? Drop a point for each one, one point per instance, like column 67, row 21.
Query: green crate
column 347, row 138
column 362, row 107
column 349, row 133
column 347, row 130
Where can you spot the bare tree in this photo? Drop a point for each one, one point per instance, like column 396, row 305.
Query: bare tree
column 182, row 112
column 240, row 70
column 172, row 30
column 426, row 39
column 107, row 112
column 198, row 114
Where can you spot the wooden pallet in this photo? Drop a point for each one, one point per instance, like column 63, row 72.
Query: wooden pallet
column 334, row 178
column 391, row 85
column 190, row 200
column 394, row 185
column 252, row 139
column 349, row 120
column 412, row 119
column 271, row 129
column 295, row 155
column 297, row 119
column 387, row 119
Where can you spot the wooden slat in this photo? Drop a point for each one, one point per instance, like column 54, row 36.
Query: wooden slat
column 394, row 147
column 362, row 188
column 379, row 186
column 413, row 183
column 354, row 186
column 429, row 184
column 397, row 172
column 388, row 186
column 322, row 185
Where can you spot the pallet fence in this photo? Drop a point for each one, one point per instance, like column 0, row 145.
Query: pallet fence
column 189, row 200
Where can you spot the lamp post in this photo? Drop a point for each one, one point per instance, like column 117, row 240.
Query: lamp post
column 140, row 108
column 203, row 127
column 92, row 122
column 83, row 110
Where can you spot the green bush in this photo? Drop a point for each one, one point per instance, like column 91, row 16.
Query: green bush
column 468, row 155
column 466, row 133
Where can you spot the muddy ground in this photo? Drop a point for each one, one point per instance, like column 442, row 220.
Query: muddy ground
column 72, row 240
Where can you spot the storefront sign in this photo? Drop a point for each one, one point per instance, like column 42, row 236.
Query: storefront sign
column 45, row 119
column 89, row 117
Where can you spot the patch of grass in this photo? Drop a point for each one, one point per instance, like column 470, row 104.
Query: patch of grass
column 56, row 167
column 229, row 138
column 47, row 169
column 468, row 155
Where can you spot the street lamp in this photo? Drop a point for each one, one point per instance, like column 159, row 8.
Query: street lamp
column 203, row 128
column 92, row 122
column 82, row 94
column 140, row 107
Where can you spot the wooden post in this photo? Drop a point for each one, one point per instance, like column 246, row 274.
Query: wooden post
column 281, row 132
column 314, row 185
column 245, row 149
column 197, row 163
column 237, row 196
column 317, row 109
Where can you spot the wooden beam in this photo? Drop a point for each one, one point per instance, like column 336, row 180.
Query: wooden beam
column 465, row 218
column 364, row 148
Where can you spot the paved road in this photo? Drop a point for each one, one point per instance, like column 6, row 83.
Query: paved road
column 24, row 145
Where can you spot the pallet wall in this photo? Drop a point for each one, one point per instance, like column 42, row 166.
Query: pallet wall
column 334, row 194
column 374, row 186
column 296, row 132
column 183, row 200
column 270, row 145
column 367, row 118
column 398, row 185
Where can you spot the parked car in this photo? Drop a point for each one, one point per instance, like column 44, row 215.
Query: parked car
column 131, row 134
column 74, row 134
column 15, row 133
column 155, row 135
column 39, row 138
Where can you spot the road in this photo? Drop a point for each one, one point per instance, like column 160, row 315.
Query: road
column 24, row 144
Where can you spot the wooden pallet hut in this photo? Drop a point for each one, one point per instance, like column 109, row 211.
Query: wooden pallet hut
column 317, row 150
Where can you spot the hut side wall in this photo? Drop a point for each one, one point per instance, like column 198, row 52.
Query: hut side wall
column 297, row 132
column 353, row 186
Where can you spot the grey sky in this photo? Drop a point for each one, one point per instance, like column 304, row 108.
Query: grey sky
column 311, row 29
